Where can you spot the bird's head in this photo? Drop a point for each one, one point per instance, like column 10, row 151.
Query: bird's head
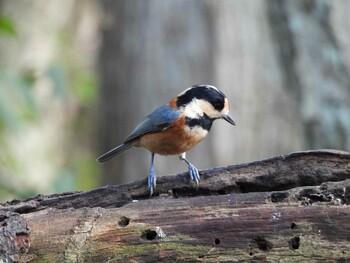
column 204, row 100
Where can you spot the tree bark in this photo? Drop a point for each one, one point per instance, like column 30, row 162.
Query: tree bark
column 291, row 208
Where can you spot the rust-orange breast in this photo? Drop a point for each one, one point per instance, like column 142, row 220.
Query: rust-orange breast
column 174, row 140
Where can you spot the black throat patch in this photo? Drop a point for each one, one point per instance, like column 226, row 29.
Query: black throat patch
column 204, row 121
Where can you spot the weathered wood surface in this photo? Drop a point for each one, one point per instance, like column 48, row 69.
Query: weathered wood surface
column 292, row 208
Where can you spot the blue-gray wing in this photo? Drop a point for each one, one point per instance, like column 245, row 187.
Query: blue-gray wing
column 157, row 121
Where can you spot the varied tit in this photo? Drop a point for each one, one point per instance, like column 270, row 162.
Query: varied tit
column 176, row 127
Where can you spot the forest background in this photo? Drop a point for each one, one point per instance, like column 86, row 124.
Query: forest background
column 76, row 76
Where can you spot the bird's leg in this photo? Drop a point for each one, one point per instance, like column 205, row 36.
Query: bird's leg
column 152, row 179
column 192, row 170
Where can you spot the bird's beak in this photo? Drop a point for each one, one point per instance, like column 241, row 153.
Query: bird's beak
column 229, row 119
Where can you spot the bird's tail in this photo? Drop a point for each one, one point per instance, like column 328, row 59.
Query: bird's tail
column 114, row 152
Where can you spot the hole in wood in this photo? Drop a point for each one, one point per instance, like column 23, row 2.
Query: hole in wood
column 216, row 241
column 293, row 225
column 278, row 197
column 149, row 234
column 262, row 244
column 250, row 253
column 294, row 242
column 124, row 221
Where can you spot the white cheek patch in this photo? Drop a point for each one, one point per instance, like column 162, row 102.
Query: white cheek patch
column 196, row 109
column 192, row 109
column 207, row 108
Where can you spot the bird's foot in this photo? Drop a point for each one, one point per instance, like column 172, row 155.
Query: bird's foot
column 152, row 181
column 193, row 173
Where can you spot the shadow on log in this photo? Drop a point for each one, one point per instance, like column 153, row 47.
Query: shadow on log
column 290, row 208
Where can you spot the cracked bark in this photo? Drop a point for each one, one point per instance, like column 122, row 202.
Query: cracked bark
column 287, row 208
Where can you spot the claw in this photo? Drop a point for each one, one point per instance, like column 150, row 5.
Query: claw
column 194, row 174
column 192, row 170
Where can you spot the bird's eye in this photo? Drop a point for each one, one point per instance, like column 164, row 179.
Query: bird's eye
column 217, row 104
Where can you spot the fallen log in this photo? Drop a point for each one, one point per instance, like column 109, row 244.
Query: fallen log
column 289, row 208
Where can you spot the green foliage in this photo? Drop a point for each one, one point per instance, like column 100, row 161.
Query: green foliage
column 7, row 27
column 86, row 89
column 85, row 171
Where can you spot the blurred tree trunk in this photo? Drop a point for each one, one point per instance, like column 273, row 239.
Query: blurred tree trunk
column 314, row 68
column 280, row 63
column 246, row 66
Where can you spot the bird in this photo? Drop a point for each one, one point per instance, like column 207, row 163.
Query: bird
column 176, row 127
